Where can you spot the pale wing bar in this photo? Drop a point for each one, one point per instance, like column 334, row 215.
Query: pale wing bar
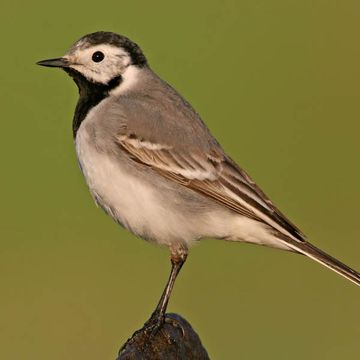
column 217, row 177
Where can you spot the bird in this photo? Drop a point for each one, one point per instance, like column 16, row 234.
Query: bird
column 152, row 164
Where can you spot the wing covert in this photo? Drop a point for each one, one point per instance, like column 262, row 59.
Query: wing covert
column 212, row 174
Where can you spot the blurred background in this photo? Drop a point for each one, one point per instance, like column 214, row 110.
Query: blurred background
column 278, row 84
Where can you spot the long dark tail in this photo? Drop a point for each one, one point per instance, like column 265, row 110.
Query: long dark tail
column 321, row 257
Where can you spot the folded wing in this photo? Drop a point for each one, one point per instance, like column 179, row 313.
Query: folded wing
column 212, row 174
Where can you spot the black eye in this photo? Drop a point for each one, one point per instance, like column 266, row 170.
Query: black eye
column 97, row 56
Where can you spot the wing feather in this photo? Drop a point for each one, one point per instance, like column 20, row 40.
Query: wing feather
column 214, row 175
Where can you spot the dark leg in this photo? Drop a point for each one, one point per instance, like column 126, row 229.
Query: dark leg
column 178, row 258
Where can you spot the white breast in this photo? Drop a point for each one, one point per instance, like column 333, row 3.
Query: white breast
column 155, row 212
column 129, row 199
column 120, row 194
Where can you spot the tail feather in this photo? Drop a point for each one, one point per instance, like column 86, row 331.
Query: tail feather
column 321, row 257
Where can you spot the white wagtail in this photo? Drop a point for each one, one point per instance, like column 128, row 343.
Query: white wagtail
column 152, row 164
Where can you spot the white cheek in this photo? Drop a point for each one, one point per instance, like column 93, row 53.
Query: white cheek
column 101, row 73
column 114, row 63
column 130, row 77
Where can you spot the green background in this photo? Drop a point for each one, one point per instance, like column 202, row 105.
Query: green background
column 278, row 84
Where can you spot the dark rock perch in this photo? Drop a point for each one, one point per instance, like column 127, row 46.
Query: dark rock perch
column 175, row 340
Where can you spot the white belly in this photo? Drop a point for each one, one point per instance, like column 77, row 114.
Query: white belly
column 129, row 199
column 142, row 207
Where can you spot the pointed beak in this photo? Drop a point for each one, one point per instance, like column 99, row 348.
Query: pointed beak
column 58, row 62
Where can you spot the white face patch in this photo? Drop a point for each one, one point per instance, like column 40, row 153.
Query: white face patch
column 114, row 63
column 129, row 78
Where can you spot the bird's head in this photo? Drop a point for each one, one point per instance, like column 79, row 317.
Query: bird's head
column 99, row 58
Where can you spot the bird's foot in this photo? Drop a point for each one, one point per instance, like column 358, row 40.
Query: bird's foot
column 175, row 323
column 150, row 328
column 156, row 322
column 154, row 327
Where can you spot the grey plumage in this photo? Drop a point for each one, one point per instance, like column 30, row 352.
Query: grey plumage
column 152, row 164
column 153, row 113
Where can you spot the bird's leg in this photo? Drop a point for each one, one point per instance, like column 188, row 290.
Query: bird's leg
column 178, row 258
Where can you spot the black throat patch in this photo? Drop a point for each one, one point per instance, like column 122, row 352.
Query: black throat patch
column 90, row 94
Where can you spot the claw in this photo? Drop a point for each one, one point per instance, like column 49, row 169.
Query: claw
column 175, row 324
column 154, row 324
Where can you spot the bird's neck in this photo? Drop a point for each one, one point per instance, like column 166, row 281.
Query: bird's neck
column 90, row 95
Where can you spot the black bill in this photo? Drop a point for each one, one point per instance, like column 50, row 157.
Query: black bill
column 58, row 62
